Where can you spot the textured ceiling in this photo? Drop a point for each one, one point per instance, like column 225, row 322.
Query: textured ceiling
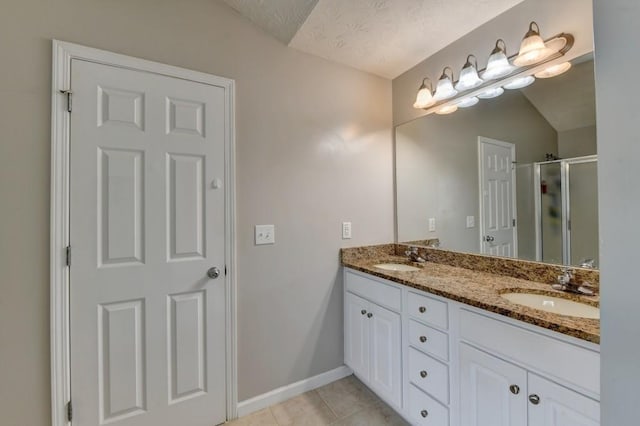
column 280, row 18
column 388, row 37
column 567, row 101
column 383, row 37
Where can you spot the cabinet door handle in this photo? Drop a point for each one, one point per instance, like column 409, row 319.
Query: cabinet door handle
column 424, row 413
column 369, row 315
column 363, row 312
column 515, row 389
column 422, row 309
column 534, row 399
column 423, row 339
column 423, row 374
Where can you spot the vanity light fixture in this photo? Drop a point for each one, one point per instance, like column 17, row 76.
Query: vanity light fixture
column 424, row 99
column 444, row 88
column 469, row 75
column 494, row 92
column 532, row 49
column 467, row 102
column 498, row 65
column 447, row 109
column 519, row 83
column 554, row 70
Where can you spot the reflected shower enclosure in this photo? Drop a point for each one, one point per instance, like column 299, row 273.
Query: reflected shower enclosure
column 565, row 193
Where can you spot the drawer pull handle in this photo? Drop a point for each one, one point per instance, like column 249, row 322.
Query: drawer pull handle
column 423, row 374
column 534, row 399
column 363, row 312
column 369, row 315
column 423, row 339
column 515, row 389
column 422, row 309
column 424, row 413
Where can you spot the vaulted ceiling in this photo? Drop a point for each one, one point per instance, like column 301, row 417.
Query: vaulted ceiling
column 383, row 37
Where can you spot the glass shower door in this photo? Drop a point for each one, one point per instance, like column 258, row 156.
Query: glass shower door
column 551, row 213
column 583, row 212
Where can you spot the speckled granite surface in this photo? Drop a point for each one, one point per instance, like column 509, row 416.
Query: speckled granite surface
column 472, row 283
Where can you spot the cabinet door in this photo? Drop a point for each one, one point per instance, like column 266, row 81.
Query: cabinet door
column 492, row 392
column 559, row 406
column 385, row 375
column 356, row 335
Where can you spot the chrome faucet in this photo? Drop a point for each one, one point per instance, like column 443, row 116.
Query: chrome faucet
column 414, row 256
column 588, row 263
column 565, row 284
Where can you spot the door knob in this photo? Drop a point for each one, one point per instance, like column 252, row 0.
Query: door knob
column 534, row 399
column 489, row 238
column 424, row 413
column 423, row 339
column 423, row 374
column 515, row 389
column 363, row 312
column 422, row 309
column 213, row 273
column 369, row 315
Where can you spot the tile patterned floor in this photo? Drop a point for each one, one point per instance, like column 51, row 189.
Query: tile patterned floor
column 346, row 402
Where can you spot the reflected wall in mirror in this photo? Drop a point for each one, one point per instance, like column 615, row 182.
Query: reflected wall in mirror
column 512, row 176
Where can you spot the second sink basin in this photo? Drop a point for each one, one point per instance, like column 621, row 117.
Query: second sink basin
column 556, row 305
column 397, row 267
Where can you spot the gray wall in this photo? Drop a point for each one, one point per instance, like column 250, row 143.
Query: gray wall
column 314, row 148
column 437, row 167
column 617, row 94
column 553, row 16
column 577, row 142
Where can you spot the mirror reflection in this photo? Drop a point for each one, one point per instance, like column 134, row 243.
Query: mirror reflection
column 512, row 176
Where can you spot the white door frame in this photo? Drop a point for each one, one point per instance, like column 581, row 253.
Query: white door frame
column 63, row 53
column 514, row 201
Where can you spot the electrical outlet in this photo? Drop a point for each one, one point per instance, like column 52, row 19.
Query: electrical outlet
column 265, row 234
column 432, row 224
column 471, row 221
column 346, row 230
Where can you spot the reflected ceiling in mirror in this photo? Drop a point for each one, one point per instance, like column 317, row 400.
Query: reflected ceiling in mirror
column 515, row 175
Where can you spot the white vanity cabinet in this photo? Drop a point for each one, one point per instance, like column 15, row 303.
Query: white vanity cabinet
column 372, row 339
column 444, row 363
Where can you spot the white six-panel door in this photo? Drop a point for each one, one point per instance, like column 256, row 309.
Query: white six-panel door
column 147, row 222
column 497, row 192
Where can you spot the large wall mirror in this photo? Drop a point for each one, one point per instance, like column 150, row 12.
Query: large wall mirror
column 512, row 176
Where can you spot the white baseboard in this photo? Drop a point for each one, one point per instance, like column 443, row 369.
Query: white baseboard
column 289, row 391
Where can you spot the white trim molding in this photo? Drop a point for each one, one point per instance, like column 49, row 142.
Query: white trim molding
column 63, row 54
column 284, row 393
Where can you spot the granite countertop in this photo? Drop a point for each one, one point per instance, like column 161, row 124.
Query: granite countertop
column 479, row 289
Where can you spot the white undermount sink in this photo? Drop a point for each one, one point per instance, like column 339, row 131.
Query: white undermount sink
column 396, row 267
column 556, row 305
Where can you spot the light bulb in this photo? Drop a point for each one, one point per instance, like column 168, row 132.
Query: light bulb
column 554, row 70
column 447, row 109
column 498, row 64
column 424, row 98
column 444, row 88
column 491, row 93
column 532, row 49
column 468, row 102
column 520, row 82
column 468, row 76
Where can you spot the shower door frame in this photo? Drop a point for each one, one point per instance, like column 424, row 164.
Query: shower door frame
column 565, row 195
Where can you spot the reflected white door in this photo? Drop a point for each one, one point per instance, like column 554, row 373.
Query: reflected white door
column 147, row 323
column 497, row 198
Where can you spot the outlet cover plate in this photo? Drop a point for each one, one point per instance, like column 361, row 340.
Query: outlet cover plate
column 265, row 234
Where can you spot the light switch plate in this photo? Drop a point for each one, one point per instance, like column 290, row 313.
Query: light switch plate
column 346, row 230
column 432, row 224
column 471, row 221
column 265, row 234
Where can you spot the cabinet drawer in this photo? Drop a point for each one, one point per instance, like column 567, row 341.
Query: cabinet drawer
column 565, row 361
column 427, row 309
column 375, row 291
column 429, row 340
column 424, row 410
column 429, row 375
